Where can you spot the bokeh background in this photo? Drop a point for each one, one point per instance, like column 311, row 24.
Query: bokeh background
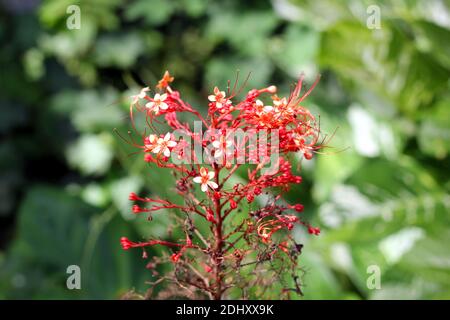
column 381, row 196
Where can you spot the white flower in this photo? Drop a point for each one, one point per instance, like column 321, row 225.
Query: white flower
column 282, row 106
column 204, row 179
column 298, row 139
column 163, row 145
column 158, row 103
column 267, row 109
column 151, row 142
column 218, row 97
column 222, row 145
column 141, row 95
column 259, row 104
column 261, row 108
column 280, row 102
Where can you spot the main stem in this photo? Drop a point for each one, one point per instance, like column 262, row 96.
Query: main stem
column 218, row 250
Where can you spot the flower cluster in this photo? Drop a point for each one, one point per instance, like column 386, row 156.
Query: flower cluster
column 249, row 222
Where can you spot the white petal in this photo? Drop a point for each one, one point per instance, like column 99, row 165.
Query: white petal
column 211, row 175
column 204, row 187
column 167, row 152
column 163, row 106
column 150, row 105
column 167, row 136
column 212, row 98
column 217, row 154
column 163, row 97
column 268, row 108
column 218, row 105
column 142, row 94
column 216, row 144
column 212, row 184
column 171, row 144
column 197, row 179
column 157, row 97
column 157, row 149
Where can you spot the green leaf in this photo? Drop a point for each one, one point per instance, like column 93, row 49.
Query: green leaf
column 254, row 28
column 120, row 190
column 119, row 51
column 430, row 258
column 91, row 154
column 318, row 280
column 295, row 51
column 371, row 59
column 432, row 38
column 154, row 12
column 194, row 8
column 90, row 110
column 56, row 230
column 53, row 13
column 434, row 130
column 53, row 225
column 219, row 71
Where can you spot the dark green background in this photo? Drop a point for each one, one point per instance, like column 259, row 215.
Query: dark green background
column 65, row 176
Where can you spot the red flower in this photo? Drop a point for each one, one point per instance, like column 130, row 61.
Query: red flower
column 206, row 156
column 298, row 207
column 233, row 204
column 126, row 244
column 315, row 231
column 207, row 268
column 164, row 82
column 210, row 216
column 175, row 257
column 133, row 196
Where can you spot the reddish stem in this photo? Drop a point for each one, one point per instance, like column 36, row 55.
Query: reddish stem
column 218, row 241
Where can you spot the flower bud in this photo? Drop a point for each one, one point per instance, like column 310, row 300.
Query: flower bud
column 272, row 89
column 148, row 157
column 210, row 216
column 175, row 257
column 133, row 196
column 233, row 204
column 313, row 230
column 125, row 243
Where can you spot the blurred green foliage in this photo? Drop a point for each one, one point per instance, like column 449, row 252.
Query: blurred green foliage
column 381, row 195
